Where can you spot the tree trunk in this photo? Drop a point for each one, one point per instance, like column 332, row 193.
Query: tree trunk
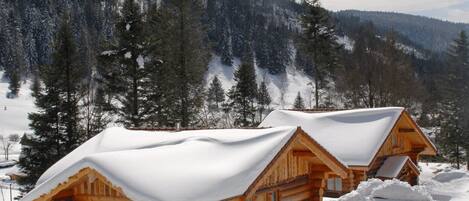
column 467, row 159
column 458, row 160
column 316, row 91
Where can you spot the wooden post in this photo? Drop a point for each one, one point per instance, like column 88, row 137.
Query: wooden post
column 317, row 181
column 348, row 183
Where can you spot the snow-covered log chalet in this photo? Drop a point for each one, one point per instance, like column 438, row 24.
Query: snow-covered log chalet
column 282, row 163
column 380, row 143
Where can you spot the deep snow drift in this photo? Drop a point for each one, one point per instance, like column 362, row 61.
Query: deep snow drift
column 438, row 181
column 444, row 182
column 391, row 190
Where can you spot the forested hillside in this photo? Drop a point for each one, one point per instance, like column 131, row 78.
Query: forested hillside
column 427, row 33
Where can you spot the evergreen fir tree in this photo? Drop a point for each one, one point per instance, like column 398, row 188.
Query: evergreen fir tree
column 454, row 135
column 299, row 103
column 271, row 47
column 187, row 56
column 263, row 99
column 216, row 94
column 450, row 136
column 36, row 83
column 225, row 46
column 56, row 125
column 243, row 94
column 318, row 42
column 241, row 15
column 123, row 69
column 158, row 39
column 14, row 85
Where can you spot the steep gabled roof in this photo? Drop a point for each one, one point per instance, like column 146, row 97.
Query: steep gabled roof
column 353, row 136
column 186, row 165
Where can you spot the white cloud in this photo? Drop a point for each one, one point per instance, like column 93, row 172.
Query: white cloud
column 406, row 6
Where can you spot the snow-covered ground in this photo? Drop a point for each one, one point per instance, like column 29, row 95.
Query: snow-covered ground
column 13, row 120
column 284, row 85
column 438, row 181
column 444, row 182
column 14, row 112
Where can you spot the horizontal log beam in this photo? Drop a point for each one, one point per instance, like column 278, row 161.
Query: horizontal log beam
column 406, row 130
column 298, row 181
column 303, row 153
column 320, row 168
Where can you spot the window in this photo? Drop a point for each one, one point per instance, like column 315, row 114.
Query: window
column 394, row 141
column 272, row 196
column 334, row 184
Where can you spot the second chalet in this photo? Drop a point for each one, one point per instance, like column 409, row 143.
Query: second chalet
column 380, row 143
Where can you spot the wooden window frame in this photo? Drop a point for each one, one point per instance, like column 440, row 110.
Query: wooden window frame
column 273, row 196
column 335, row 180
column 395, row 141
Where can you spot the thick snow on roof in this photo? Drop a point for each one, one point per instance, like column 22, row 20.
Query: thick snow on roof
column 392, row 166
column 353, row 136
column 189, row 165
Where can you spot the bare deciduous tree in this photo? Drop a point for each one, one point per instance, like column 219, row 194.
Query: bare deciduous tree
column 7, row 143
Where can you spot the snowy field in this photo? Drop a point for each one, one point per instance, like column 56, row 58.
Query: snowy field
column 14, row 112
column 13, row 120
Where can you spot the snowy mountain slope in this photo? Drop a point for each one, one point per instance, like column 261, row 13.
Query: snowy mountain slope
column 283, row 85
column 14, row 112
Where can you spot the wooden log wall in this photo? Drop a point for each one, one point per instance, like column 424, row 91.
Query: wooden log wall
column 299, row 176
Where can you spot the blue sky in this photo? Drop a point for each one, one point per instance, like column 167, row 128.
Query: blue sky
column 451, row 10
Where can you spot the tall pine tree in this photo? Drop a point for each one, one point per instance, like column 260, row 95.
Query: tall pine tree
column 14, row 85
column 122, row 70
column 243, row 95
column 263, row 99
column 187, row 55
column 216, row 94
column 159, row 47
column 56, row 124
column 454, row 89
column 319, row 44
column 299, row 103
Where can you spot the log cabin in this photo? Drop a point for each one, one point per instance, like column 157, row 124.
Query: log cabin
column 383, row 143
column 282, row 163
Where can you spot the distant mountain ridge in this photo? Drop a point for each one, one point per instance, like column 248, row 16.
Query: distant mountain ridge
column 431, row 34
